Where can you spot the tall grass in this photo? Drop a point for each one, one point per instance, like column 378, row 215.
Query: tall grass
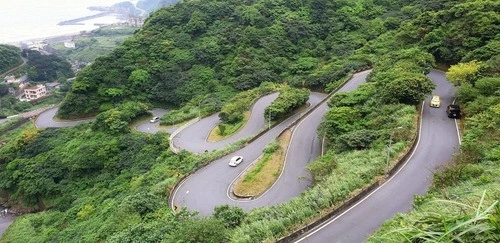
column 450, row 221
column 353, row 171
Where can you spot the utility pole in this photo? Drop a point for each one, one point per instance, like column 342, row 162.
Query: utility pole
column 199, row 109
column 269, row 121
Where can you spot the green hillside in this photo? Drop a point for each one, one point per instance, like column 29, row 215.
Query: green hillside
column 101, row 182
column 10, row 57
column 197, row 48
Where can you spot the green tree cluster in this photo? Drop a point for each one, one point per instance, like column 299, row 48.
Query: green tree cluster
column 46, row 68
column 235, row 45
column 10, row 57
column 117, row 120
column 288, row 100
column 232, row 112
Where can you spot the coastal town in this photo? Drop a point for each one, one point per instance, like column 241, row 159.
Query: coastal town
column 24, row 89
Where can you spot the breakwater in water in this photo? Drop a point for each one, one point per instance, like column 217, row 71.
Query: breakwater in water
column 78, row 21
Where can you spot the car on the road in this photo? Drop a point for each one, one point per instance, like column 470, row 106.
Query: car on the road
column 453, row 111
column 154, row 119
column 236, row 160
column 435, row 102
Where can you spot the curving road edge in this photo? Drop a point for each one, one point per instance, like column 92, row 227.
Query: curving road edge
column 438, row 140
column 208, row 187
column 46, row 119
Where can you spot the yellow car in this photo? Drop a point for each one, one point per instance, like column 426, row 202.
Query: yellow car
column 435, row 102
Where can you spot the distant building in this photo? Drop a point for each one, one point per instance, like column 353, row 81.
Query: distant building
column 51, row 86
column 70, row 44
column 37, row 46
column 35, row 92
column 13, row 80
column 136, row 21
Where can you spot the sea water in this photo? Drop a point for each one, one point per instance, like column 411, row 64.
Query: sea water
column 24, row 20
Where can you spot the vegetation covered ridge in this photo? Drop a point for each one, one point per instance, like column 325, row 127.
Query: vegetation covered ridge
column 100, row 186
column 10, row 57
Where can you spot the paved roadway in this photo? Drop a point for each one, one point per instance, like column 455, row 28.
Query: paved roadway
column 5, row 220
column 46, row 119
column 438, row 142
column 148, row 127
column 194, row 137
column 209, row 187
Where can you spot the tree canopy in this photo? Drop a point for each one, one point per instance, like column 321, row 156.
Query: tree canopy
column 10, row 56
column 46, row 68
column 104, row 183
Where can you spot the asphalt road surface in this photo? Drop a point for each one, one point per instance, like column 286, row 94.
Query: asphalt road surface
column 5, row 220
column 194, row 137
column 154, row 127
column 438, row 142
column 46, row 119
column 210, row 186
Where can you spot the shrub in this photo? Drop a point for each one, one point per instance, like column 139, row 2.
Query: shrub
column 232, row 112
column 288, row 100
column 357, row 139
column 229, row 215
column 117, row 120
column 488, row 86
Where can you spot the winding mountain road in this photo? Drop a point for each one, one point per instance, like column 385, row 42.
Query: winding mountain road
column 439, row 140
column 46, row 119
column 194, row 137
column 210, row 186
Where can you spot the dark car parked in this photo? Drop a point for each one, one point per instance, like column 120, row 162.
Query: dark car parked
column 453, row 111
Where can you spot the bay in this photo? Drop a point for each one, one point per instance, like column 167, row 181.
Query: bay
column 23, row 20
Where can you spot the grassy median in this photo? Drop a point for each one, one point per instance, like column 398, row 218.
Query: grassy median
column 229, row 129
column 265, row 172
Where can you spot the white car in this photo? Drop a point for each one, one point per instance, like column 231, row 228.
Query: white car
column 154, row 119
column 236, row 160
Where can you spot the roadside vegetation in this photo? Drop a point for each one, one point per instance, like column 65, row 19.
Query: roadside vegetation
column 224, row 130
column 266, row 170
column 100, row 182
column 287, row 102
column 463, row 203
column 235, row 113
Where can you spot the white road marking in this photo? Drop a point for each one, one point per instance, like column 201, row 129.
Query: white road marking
column 368, row 196
column 456, row 126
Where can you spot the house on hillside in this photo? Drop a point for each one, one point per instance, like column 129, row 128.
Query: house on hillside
column 70, row 44
column 52, row 86
column 35, row 92
column 13, row 80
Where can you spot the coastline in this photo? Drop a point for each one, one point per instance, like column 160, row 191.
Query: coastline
column 49, row 39
column 81, row 26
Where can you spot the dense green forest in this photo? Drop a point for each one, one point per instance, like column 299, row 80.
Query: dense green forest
column 10, row 57
column 102, row 182
column 46, row 68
